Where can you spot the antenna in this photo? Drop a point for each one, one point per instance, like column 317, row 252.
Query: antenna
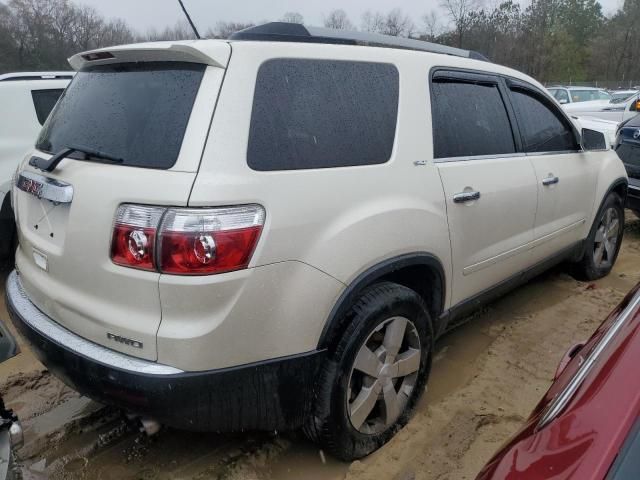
column 195, row 30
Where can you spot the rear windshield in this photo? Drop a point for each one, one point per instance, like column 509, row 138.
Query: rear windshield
column 134, row 111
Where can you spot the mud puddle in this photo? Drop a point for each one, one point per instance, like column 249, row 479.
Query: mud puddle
column 487, row 376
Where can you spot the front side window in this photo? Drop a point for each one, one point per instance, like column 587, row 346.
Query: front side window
column 542, row 126
column 322, row 114
column 134, row 111
column 469, row 119
column 44, row 101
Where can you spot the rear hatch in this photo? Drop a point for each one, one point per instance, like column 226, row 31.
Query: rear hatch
column 150, row 107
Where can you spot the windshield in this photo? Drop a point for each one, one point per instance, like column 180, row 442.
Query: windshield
column 621, row 97
column 587, row 95
column 137, row 112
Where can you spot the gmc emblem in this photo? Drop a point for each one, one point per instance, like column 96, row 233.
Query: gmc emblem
column 126, row 341
column 30, row 186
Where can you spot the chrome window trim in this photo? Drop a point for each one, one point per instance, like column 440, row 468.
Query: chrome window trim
column 505, row 155
column 556, row 152
column 48, row 328
column 561, row 400
column 467, row 158
column 633, row 187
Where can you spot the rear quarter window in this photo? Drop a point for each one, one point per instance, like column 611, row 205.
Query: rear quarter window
column 322, row 114
column 44, row 101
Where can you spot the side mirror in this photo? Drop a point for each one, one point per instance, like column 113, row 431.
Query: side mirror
column 592, row 140
column 563, row 101
column 8, row 346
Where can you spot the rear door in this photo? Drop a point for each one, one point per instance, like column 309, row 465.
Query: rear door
column 490, row 187
column 565, row 176
column 154, row 116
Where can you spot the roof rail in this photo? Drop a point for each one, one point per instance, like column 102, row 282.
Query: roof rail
column 295, row 32
column 7, row 77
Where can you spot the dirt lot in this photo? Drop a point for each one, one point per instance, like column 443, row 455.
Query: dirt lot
column 487, row 377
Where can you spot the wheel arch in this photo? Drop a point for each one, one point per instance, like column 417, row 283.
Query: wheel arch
column 420, row 271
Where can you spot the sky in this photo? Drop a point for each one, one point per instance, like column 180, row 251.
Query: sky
column 147, row 14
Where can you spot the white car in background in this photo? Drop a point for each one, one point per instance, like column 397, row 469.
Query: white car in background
column 608, row 127
column 614, row 110
column 622, row 95
column 27, row 99
column 568, row 95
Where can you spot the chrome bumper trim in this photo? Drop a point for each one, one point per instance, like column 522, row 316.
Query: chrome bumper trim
column 45, row 326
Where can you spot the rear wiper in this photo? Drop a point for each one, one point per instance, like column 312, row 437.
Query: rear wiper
column 51, row 164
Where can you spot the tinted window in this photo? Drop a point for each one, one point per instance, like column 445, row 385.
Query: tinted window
column 320, row 114
column 542, row 126
column 44, row 101
column 134, row 111
column 469, row 119
column 562, row 96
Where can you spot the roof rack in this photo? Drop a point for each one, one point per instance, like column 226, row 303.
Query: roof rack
column 8, row 77
column 295, row 32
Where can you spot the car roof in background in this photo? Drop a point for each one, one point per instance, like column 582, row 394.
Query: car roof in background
column 17, row 76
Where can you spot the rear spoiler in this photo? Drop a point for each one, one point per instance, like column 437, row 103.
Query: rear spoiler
column 209, row 52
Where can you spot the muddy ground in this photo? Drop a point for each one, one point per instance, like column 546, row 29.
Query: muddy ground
column 487, row 377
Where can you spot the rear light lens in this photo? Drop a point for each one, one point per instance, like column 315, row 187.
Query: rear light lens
column 186, row 241
column 196, row 242
column 134, row 236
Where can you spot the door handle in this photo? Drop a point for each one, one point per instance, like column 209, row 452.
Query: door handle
column 550, row 180
column 466, row 197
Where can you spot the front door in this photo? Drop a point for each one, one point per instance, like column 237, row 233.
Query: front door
column 565, row 176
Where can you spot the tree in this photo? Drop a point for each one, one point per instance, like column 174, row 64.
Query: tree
column 372, row 22
column 432, row 26
column 394, row 23
column 338, row 20
column 292, row 17
column 398, row 24
column 225, row 29
column 460, row 13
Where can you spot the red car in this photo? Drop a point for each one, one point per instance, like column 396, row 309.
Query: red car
column 587, row 426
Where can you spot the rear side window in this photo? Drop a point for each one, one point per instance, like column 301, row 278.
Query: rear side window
column 469, row 119
column 134, row 111
column 322, row 114
column 542, row 126
column 44, row 101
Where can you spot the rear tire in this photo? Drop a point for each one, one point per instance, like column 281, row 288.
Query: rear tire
column 603, row 243
column 375, row 375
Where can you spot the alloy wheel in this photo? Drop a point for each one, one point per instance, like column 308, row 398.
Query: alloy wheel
column 606, row 239
column 384, row 375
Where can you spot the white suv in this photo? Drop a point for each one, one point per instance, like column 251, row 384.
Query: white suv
column 271, row 231
column 26, row 99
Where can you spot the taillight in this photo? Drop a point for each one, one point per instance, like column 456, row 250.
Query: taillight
column 192, row 241
column 134, row 236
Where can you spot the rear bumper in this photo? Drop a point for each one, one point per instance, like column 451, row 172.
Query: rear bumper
column 270, row 395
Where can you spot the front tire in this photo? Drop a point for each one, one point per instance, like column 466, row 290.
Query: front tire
column 376, row 374
column 604, row 241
